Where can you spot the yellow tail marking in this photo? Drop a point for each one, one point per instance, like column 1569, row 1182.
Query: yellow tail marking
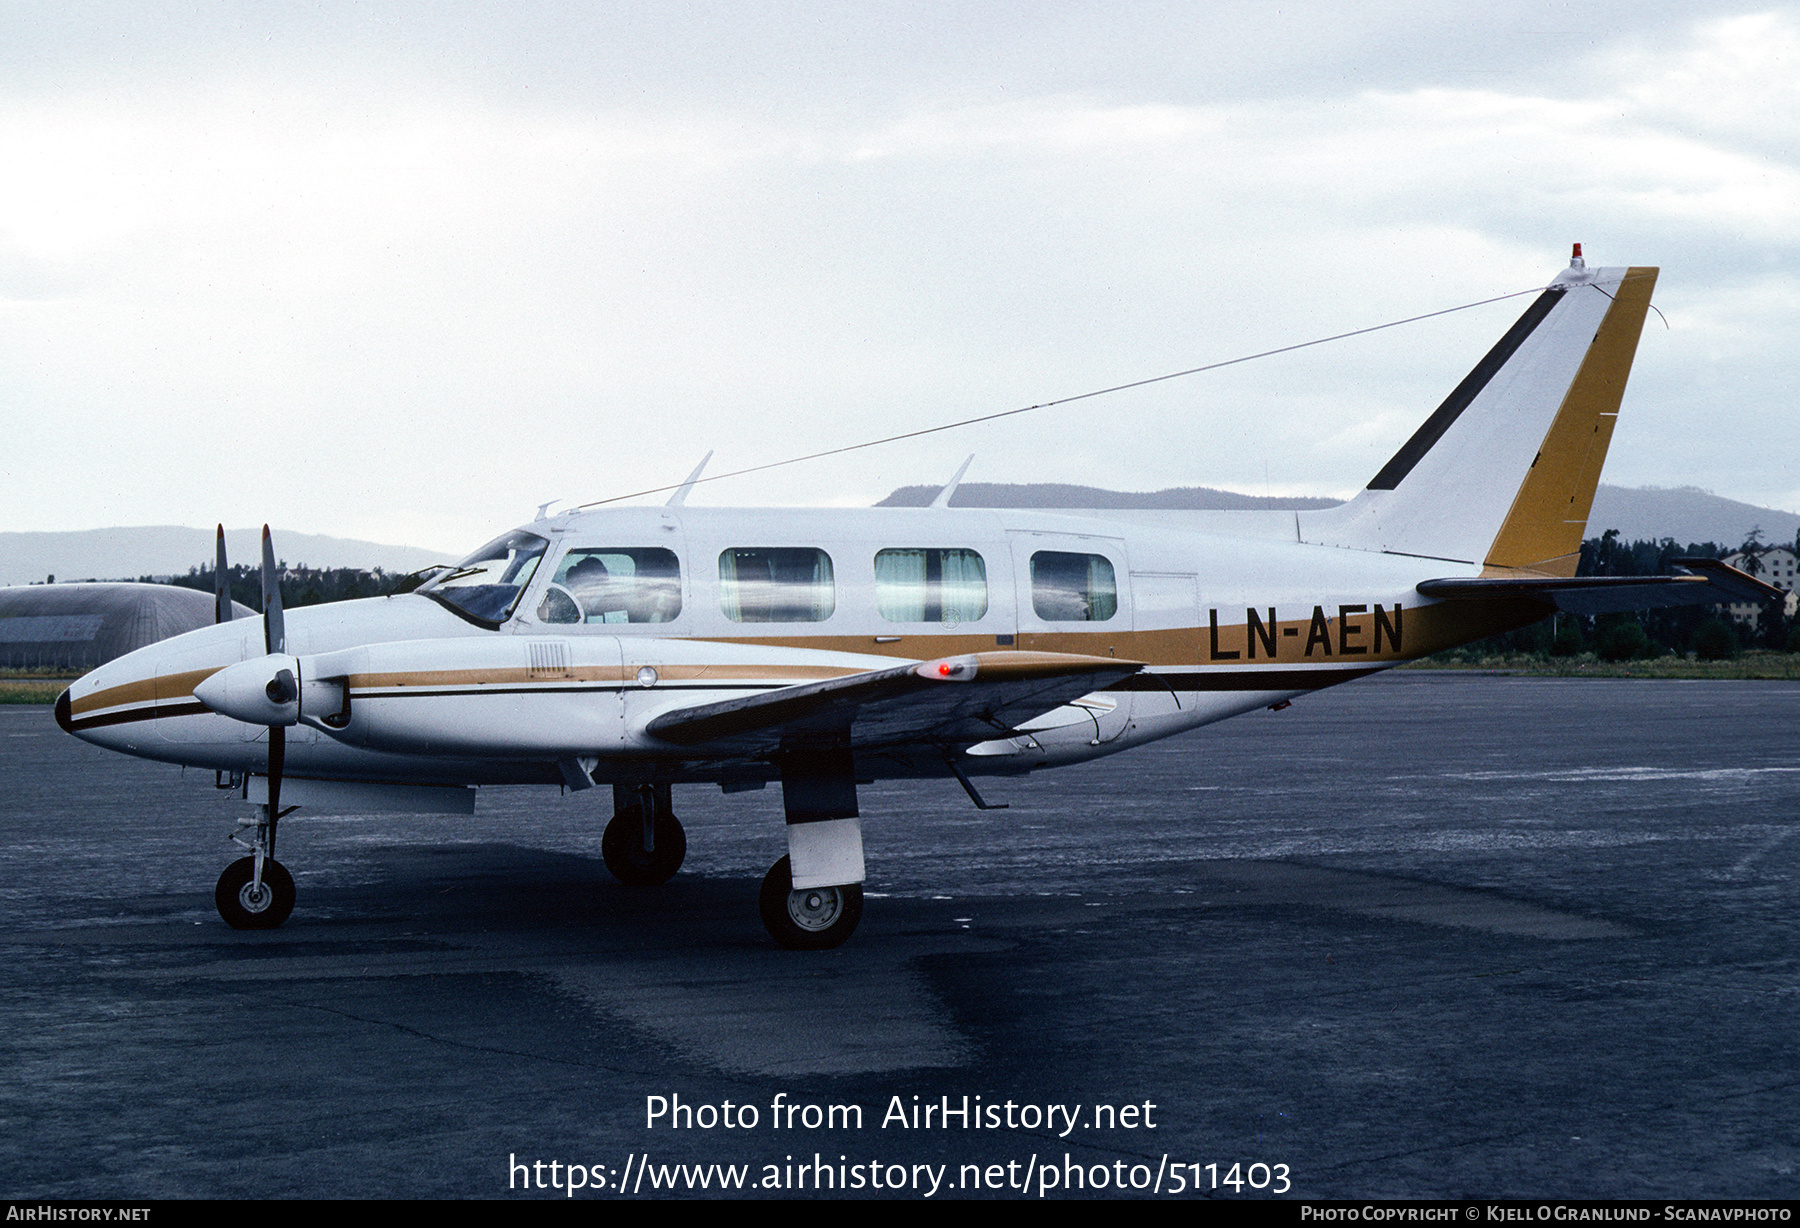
column 1542, row 531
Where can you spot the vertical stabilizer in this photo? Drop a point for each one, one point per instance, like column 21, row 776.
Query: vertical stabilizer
column 1503, row 472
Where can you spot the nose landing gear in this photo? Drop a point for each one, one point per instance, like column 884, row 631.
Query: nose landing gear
column 256, row 892
column 248, row 905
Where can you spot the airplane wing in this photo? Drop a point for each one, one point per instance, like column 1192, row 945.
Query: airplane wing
column 968, row 698
column 1706, row 582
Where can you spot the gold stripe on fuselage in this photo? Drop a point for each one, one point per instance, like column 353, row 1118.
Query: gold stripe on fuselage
column 161, row 689
column 1349, row 634
column 1283, row 634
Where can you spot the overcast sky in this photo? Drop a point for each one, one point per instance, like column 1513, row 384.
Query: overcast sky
column 404, row 271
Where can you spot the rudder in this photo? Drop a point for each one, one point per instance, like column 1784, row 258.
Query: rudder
column 1543, row 528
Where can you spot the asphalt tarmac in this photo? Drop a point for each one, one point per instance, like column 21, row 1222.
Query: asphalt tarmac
column 1420, row 936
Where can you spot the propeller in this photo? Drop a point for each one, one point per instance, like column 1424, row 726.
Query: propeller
column 282, row 688
column 249, row 692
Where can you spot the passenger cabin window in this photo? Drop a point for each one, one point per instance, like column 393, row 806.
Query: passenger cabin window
column 484, row 587
column 781, row 584
column 612, row 584
column 930, row 586
column 1073, row 588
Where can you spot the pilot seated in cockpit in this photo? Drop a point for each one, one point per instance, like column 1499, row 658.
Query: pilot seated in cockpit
column 594, row 588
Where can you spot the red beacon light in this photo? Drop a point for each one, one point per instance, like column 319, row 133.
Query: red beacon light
column 953, row 669
column 1575, row 260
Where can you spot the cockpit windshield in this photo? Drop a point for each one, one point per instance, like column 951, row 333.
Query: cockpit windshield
column 486, row 586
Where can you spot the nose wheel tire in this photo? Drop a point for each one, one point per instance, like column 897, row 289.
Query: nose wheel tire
column 622, row 849
column 243, row 906
column 815, row 919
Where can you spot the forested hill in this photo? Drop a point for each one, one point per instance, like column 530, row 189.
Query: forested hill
column 1686, row 513
column 1060, row 495
column 170, row 550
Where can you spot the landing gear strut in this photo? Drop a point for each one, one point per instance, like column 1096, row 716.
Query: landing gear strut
column 815, row 919
column 253, row 898
column 644, row 844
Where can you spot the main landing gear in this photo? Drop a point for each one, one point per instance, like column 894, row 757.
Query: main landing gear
column 816, row 919
column 644, row 844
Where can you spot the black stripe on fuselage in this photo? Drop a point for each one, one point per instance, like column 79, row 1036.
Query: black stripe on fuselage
column 1239, row 679
column 1414, row 450
column 594, row 688
column 77, row 724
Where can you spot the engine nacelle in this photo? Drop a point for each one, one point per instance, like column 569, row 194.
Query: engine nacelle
column 277, row 689
column 504, row 697
column 537, row 697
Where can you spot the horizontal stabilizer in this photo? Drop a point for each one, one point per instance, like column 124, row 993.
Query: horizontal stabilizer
column 957, row 699
column 1706, row 582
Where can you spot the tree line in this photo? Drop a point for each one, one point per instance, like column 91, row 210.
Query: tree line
column 300, row 585
column 1706, row 631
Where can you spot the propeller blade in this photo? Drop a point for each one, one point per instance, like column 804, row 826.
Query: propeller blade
column 274, row 633
column 275, row 639
column 221, row 584
column 277, row 761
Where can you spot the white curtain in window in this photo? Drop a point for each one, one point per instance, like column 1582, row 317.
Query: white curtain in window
column 924, row 585
column 900, row 585
column 1103, row 589
column 965, row 587
column 780, row 584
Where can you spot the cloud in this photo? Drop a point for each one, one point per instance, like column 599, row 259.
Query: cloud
column 1736, row 79
column 422, row 305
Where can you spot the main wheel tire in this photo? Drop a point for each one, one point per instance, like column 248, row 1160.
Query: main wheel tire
column 622, row 848
column 246, row 909
column 816, row 919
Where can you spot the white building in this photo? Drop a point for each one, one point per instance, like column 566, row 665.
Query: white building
column 1775, row 565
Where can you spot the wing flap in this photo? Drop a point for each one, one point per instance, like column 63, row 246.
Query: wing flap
column 1705, row 582
column 966, row 698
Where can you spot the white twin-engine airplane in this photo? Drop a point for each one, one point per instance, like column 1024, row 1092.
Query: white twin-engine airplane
column 822, row 649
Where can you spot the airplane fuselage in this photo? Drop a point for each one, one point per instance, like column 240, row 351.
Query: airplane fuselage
column 1224, row 624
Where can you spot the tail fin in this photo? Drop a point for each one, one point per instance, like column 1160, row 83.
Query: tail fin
column 1503, row 473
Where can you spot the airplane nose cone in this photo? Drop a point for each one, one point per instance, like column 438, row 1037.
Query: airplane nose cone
column 62, row 712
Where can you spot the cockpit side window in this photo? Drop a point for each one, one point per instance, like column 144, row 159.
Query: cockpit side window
column 1073, row 587
column 613, row 584
column 485, row 587
column 930, row 586
column 778, row 584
